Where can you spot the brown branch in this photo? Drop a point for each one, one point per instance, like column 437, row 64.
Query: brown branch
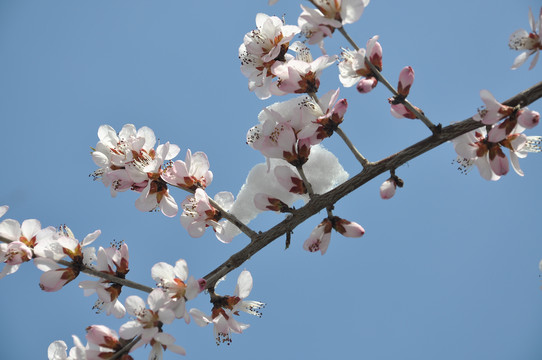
column 319, row 202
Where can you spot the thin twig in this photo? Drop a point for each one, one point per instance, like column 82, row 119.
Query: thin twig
column 304, row 178
column 363, row 161
column 434, row 129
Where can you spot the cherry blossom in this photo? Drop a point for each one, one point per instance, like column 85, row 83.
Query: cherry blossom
column 320, row 237
column 190, row 174
column 54, row 277
column 148, row 322
column 113, row 261
column 287, row 130
column 263, row 48
column 530, row 42
column 302, row 74
column 114, row 151
column 156, row 193
column 474, row 148
column 129, row 161
column 494, row 111
column 354, row 69
column 173, row 280
column 316, row 24
column 225, row 307
column 198, row 213
column 24, row 238
column 331, row 116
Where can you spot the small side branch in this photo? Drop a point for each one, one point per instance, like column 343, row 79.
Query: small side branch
column 362, row 160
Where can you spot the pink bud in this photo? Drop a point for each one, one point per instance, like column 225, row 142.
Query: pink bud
column 265, row 202
column 528, row 118
column 289, row 180
column 374, row 52
column 347, row 228
column 367, row 84
column 400, row 111
column 103, row 336
column 339, row 110
column 406, row 78
column 387, row 189
column 498, row 161
column 202, row 284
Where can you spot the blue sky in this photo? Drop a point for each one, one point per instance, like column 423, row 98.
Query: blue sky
column 447, row 269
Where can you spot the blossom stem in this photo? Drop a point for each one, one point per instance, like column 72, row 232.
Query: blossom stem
column 126, row 348
column 304, row 178
column 90, row 271
column 362, row 160
column 434, row 129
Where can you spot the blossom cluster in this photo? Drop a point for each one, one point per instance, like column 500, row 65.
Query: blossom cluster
column 129, row 161
column 503, row 129
column 264, row 56
column 49, row 246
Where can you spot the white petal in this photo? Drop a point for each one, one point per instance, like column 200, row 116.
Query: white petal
column 244, row 284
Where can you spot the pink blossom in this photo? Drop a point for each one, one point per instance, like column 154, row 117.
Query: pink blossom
column 494, row 110
column 113, row 261
column 173, row 280
column 354, row 67
column 24, row 238
column 302, row 74
column 192, row 173
column 319, row 238
column 198, row 213
column 261, row 49
column 148, row 322
column 226, row 307
column 530, row 42
column 54, row 277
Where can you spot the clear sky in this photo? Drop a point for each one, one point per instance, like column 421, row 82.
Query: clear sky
column 447, row 269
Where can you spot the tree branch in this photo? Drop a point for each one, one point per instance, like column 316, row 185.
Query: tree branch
column 319, row 202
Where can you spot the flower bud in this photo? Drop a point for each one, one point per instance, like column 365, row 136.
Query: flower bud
column 367, row 84
column 347, row 228
column 406, row 78
column 528, row 118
